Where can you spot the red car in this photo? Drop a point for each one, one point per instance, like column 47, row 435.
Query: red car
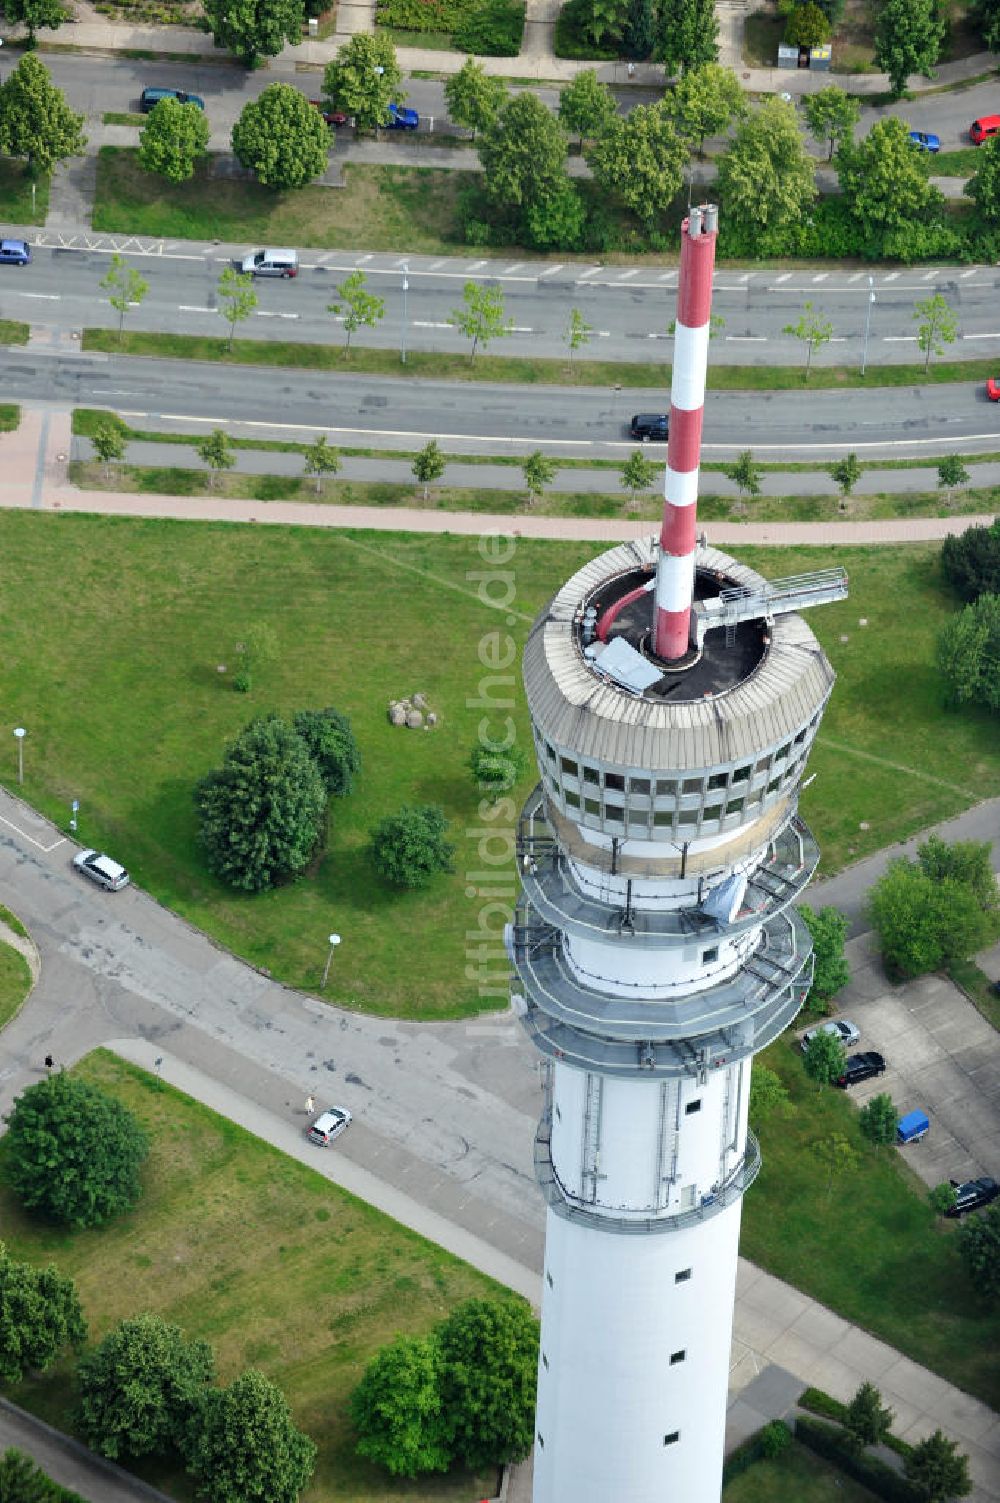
column 993, row 389
column 333, row 118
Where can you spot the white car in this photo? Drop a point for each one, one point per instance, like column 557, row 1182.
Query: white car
column 848, row 1033
column 102, row 870
column 329, row 1125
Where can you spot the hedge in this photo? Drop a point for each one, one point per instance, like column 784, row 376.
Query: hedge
column 486, row 28
column 822, row 1403
column 868, row 1470
column 570, row 38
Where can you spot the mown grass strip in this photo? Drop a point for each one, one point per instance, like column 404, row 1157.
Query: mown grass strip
column 10, row 413
column 15, row 982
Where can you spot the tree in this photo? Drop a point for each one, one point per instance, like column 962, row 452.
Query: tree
column 109, row 442
column 846, row 473
column 489, row 1362
column 831, row 115
column 868, row 1421
column 767, row 1093
column 965, row 861
column 474, row 98
column 908, row 36
column 328, row 735
column 969, row 654
column 140, row 1388
column 125, row 287
column 767, row 178
column 555, row 218
column 938, row 326
column 174, row 136
column 824, row 1058
column 586, row 106
column 979, row 1246
column 745, row 474
column 73, row 1153
column 578, row 332
column 640, row 160
column 364, row 79
column 428, row 465
column 952, row 472
column 396, row 1409
column 216, row 450
column 21, row 1481
column 481, row 316
column 942, row 1197
column 35, row 13
column 937, row 1470
column 637, row 474
column 923, row 923
column 281, row 138
column 983, row 186
column 986, row 15
column 40, row 1315
column 878, row 1120
column 410, row 847
column 262, row 813
column 523, row 154
column 237, row 298
column 358, row 307
column 254, row 29
column 807, row 26
column 640, row 29
column 970, row 561
column 35, row 120
column 244, row 1447
column 831, row 972
column 602, row 20
column 538, row 471
column 705, row 102
column 687, row 34
column 835, row 1154
column 496, row 767
column 320, row 460
column 813, row 331
column 884, row 181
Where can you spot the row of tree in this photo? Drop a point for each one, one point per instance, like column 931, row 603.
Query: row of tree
column 969, row 645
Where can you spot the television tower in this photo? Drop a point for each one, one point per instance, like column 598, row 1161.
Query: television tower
column 674, row 694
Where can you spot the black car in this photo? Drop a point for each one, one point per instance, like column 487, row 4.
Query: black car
column 973, row 1194
column 648, row 425
column 860, row 1067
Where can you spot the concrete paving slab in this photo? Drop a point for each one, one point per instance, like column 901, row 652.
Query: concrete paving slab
column 863, row 1353
column 820, row 1325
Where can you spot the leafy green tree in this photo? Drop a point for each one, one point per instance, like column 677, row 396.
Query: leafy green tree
column 254, row 29
column 687, row 34
column 846, row 473
column 970, row 561
column 637, row 474
column 969, row 654
column 321, row 460
column 983, row 186
column 281, row 139
column 831, row 973
column 603, row 21
column 358, row 307
column 396, row 1409
column 481, row 316
column 555, row 218
column 878, row 1120
column 364, row 79
column 428, row 465
column 141, row 1387
column 813, row 331
column 496, row 767
column 836, row 1155
column 243, row 1446
column 639, row 159
column 109, row 442
column 216, row 450
column 578, row 332
column 767, row 1093
column 410, row 847
column 951, row 472
column 538, row 471
column 937, row 1471
column 908, row 37
column 824, row 1058
column 173, row 138
column 40, row 1315
column 745, row 474
column 831, row 115
column 586, row 106
column 35, row 13
column 262, row 813
column 73, row 1153
column 489, row 1362
column 942, row 1197
column 868, row 1421
column 523, row 154
column 965, row 861
column 979, row 1246
column 125, row 288
column 21, row 1481
column 474, row 98
column 986, row 15
column 767, row 178
column 705, row 102
column 35, row 120
column 923, row 923
column 938, row 326
column 328, row 735
column 237, row 298
column 884, row 181
column 640, row 29
column 807, row 26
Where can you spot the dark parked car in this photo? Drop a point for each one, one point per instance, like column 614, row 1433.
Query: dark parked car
column 973, row 1194
column 646, row 425
column 150, row 98
column 861, row 1067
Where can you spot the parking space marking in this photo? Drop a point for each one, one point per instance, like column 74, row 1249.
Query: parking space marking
column 45, row 849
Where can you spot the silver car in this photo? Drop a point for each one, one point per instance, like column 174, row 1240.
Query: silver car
column 848, row 1033
column 102, row 870
column 329, row 1125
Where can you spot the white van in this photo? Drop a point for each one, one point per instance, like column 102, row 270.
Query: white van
column 271, row 263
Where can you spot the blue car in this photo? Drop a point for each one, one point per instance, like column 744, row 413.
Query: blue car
column 401, row 118
column 925, row 141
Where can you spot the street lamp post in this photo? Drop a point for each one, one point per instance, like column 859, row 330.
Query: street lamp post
column 75, row 806
column 334, row 942
column 20, row 734
column 378, row 70
column 872, row 299
column 402, row 332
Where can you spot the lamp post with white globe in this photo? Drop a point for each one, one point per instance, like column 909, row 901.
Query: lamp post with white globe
column 334, row 942
column 20, row 734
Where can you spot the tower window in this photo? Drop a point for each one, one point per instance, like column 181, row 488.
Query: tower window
column 707, row 956
column 672, row 1438
column 591, row 775
column 734, row 806
column 638, row 785
column 692, row 1107
column 568, row 765
column 592, row 805
column 675, row 1357
column 691, row 785
column 714, row 812
column 548, row 1280
column 541, row 1440
column 545, row 1360
column 572, row 799
column 614, row 780
column 550, row 752
column 666, row 786
column 663, row 817
column 741, row 774
column 681, row 1277
column 717, row 780
column 782, row 751
column 800, row 738
column 613, row 812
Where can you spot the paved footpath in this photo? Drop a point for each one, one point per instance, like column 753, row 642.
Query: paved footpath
column 69, row 1463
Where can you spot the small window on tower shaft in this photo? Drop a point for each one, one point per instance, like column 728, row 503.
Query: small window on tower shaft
column 545, row 1361
column 675, row 1357
column 569, row 766
column 668, row 1440
column 680, row 1277
column 692, row 1107
column 614, row 780
column 548, row 1278
column 541, row 1440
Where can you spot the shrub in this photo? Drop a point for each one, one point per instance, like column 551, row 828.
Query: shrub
column 408, row 848
column 331, row 744
column 571, row 40
column 494, row 28
column 871, row 1473
column 970, row 562
column 775, row 1438
column 140, row 1388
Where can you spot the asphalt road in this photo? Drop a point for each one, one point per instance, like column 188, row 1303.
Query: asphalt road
column 352, row 408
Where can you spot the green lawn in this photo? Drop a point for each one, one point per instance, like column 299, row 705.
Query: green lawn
column 796, row 1476
column 15, row 193
column 265, row 1259
column 362, row 618
column 10, row 413
column 960, row 163
column 15, row 980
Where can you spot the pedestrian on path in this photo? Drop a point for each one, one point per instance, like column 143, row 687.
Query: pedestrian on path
column 49, row 1062
column 310, row 1106
column 631, row 70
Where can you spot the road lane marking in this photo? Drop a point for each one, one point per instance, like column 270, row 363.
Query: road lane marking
column 981, row 336
column 266, row 313
column 590, row 272
column 517, row 265
column 550, row 271
column 746, row 339
column 193, row 308
column 475, row 265
column 45, row 849
column 783, row 278
column 419, row 323
column 899, row 339
column 51, row 297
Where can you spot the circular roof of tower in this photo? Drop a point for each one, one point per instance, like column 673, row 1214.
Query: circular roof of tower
column 753, row 684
